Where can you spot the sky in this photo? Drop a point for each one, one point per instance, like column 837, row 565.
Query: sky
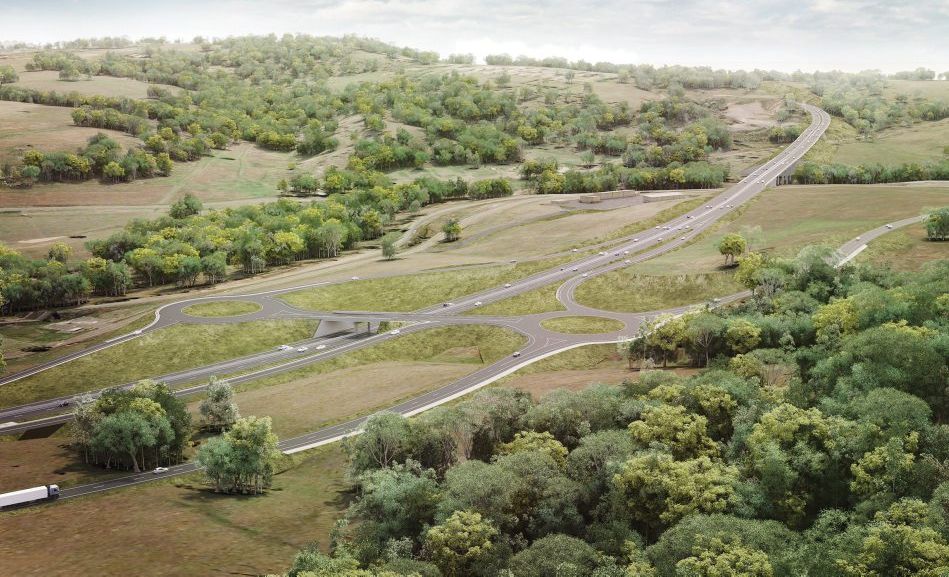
column 851, row 35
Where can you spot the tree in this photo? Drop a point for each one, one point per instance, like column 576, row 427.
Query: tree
column 673, row 429
column 8, row 74
column 113, row 171
column 189, row 205
column 659, row 490
column 125, row 432
column 937, row 225
column 452, row 229
column 389, row 249
column 742, row 336
column 719, row 558
column 59, row 252
column 460, row 543
column 534, row 441
column 703, row 331
column 218, row 408
column 835, row 319
column 383, row 441
column 900, row 542
column 732, row 246
column 666, row 333
column 243, row 459
column 555, row 555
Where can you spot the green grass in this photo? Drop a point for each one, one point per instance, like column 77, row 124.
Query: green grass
column 579, row 358
column 412, row 292
column 166, row 350
column 582, row 325
column 906, row 249
column 625, row 291
column 922, row 142
column 792, row 217
column 474, row 344
column 540, row 300
column 659, row 218
column 221, row 309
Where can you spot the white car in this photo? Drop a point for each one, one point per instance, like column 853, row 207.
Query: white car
column 137, row 332
column 626, row 251
column 478, row 303
column 517, row 354
column 858, row 238
column 354, row 278
column 447, row 304
column 627, row 261
column 665, row 228
column 889, row 226
column 394, row 332
column 761, row 181
column 575, row 250
column 320, row 347
column 284, row 348
column 160, row 470
column 302, row 349
column 575, row 269
column 658, row 228
column 683, row 238
column 585, row 275
column 602, row 253
column 708, row 206
column 659, row 239
column 513, row 260
column 507, row 285
column 688, row 216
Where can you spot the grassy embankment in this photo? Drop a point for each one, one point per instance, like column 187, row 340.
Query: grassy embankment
column 221, row 309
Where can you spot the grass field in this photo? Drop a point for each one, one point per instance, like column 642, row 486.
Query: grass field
column 541, row 300
column 166, row 350
column 626, row 291
column 791, row 217
column 374, row 378
column 904, row 249
column 582, row 325
column 412, row 292
column 48, row 128
column 921, row 142
column 210, row 534
column 221, row 309
column 48, row 80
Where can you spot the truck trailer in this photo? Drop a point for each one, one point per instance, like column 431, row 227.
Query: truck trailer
column 41, row 493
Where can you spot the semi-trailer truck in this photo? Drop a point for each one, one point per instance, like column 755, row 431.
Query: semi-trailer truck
column 41, row 493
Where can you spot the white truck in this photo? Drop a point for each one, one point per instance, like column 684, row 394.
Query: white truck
column 41, row 493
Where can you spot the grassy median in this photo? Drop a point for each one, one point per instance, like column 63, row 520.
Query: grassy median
column 582, row 325
column 221, row 309
column 624, row 290
column 156, row 353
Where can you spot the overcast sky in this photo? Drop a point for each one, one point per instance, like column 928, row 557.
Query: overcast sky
column 786, row 35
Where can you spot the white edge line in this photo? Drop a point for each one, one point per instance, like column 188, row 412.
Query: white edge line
column 850, row 257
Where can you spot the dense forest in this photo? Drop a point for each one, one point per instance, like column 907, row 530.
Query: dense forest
column 812, row 443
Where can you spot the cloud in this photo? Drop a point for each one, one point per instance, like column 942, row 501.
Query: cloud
column 783, row 34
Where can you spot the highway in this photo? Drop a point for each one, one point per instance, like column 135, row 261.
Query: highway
column 540, row 342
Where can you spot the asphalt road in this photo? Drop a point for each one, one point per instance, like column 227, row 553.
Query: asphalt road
column 540, row 342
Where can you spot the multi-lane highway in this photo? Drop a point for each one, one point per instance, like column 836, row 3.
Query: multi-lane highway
column 540, row 342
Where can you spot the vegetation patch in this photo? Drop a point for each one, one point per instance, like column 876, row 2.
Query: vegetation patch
column 582, row 325
column 626, row 291
column 221, row 309
column 155, row 353
column 904, row 249
column 540, row 300
column 412, row 292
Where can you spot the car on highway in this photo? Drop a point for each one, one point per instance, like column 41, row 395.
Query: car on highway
column 302, row 349
column 708, row 206
column 575, row 269
column 627, row 261
column 517, row 354
column 634, row 240
column 626, row 251
column 658, row 228
column 137, row 332
column 394, row 332
column 447, row 304
column 602, row 253
column 659, row 239
column 761, row 181
column 688, row 216
column 889, row 226
column 160, row 470
column 320, row 347
column 858, row 238
column 284, row 348
column 507, row 285
column 478, row 303
column 585, row 275
column 683, row 238
column 64, row 404
column 575, row 250
column 354, row 278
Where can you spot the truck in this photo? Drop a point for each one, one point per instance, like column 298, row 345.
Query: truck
column 23, row 496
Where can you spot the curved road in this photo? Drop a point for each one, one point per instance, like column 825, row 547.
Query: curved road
column 540, row 342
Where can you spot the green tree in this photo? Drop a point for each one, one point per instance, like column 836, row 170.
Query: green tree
column 659, row 490
column 243, row 459
column 937, row 224
column 218, row 409
column 720, row 558
column 460, row 543
column 8, row 74
column 452, row 229
column 59, row 252
column 113, row 171
column 534, row 441
column 742, row 336
column 732, row 246
column 189, row 205
column 389, row 249
column 673, row 429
